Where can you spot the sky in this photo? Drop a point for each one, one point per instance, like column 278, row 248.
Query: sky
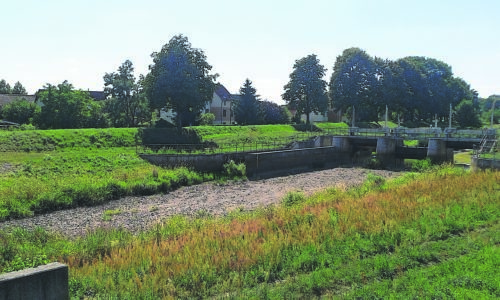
column 53, row 40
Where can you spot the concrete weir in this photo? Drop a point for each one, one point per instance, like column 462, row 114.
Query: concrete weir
column 436, row 150
column 386, row 151
column 343, row 144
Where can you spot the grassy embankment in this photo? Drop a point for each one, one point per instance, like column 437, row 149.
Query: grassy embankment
column 46, row 170
column 430, row 235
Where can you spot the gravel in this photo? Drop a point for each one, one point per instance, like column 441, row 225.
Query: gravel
column 140, row 213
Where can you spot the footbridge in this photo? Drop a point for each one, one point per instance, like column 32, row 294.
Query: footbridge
column 434, row 143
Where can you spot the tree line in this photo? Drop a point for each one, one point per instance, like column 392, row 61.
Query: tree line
column 417, row 91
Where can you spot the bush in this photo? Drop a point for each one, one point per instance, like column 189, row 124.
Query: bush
column 233, row 169
column 207, row 119
column 421, row 165
column 293, row 198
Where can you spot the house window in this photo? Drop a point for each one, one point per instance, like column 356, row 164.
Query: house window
column 224, row 102
column 224, row 113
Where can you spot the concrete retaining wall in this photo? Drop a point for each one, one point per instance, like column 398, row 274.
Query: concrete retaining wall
column 199, row 162
column 44, row 282
column 483, row 164
column 276, row 161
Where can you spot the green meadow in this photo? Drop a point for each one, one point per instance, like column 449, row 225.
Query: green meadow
column 47, row 170
column 433, row 234
column 423, row 235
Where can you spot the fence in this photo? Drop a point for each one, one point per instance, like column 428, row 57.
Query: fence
column 210, row 147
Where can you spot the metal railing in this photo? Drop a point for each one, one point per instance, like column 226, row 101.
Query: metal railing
column 211, row 147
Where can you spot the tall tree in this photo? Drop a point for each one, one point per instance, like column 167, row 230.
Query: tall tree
column 431, row 88
column 353, row 83
column 246, row 109
column 306, row 90
column 128, row 104
column 4, row 87
column 19, row 89
column 179, row 79
column 466, row 116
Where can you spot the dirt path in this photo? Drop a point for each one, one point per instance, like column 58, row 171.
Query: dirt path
column 139, row 213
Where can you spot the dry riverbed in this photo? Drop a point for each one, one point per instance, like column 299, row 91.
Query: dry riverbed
column 140, row 213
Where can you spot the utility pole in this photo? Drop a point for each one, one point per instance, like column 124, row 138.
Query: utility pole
column 353, row 116
column 451, row 112
column 492, row 113
column 386, row 113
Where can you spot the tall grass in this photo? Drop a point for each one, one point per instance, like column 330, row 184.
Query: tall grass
column 354, row 243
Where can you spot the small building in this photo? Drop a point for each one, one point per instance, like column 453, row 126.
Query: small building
column 221, row 105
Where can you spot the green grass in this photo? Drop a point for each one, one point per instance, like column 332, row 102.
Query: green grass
column 46, row 170
column 410, row 143
column 245, row 134
column 59, row 139
column 463, row 157
column 40, row 182
column 427, row 235
column 329, row 125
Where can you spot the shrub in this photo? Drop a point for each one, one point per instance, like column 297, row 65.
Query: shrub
column 207, row 119
column 421, row 165
column 233, row 169
column 293, row 198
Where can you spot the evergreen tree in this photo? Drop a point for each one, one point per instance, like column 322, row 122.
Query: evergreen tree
column 4, row 87
column 246, row 111
column 19, row 89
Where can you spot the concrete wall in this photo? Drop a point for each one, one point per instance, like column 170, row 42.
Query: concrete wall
column 44, row 282
column 200, row 162
column 386, row 151
column 483, row 164
column 258, row 162
column 279, row 161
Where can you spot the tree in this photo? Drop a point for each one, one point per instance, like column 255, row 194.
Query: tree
column 20, row 111
column 353, row 84
column 19, row 89
column 65, row 107
column 272, row 113
column 466, row 116
column 4, row 87
column 179, row 79
column 246, row 111
column 306, row 90
column 128, row 105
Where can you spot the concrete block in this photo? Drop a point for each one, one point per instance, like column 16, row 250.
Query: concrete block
column 44, row 282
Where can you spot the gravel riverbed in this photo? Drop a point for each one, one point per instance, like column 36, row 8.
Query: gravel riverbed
column 140, row 213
